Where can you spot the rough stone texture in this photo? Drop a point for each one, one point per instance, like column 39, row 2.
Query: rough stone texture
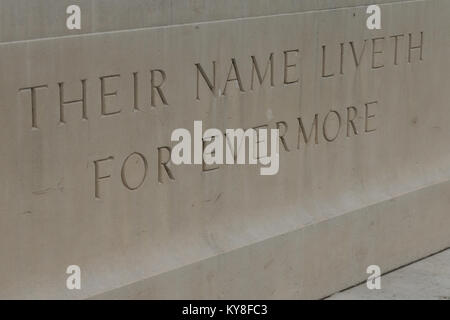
column 427, row 279
column 377, row 195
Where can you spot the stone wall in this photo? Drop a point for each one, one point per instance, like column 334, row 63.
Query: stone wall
column 85, row 127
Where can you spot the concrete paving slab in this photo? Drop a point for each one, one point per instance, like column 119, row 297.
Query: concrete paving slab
column 427, row 279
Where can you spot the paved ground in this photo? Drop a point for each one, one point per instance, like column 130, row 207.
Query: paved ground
column 425, row 279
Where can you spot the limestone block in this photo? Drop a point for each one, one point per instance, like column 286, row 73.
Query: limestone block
column 85, row 126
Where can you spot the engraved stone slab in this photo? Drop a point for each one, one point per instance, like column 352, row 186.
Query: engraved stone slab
column 364, row 160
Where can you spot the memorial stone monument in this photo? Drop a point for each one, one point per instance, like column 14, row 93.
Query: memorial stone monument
column 85, row 135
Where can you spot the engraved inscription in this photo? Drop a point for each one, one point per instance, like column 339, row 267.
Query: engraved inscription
column 330, row 126
column 217, row 78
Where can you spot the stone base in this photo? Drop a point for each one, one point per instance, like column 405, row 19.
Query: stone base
column 308, row 263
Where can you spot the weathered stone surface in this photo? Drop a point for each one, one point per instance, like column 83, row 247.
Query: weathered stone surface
column 427, row 279
column 370, row 185
column 24, row 19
